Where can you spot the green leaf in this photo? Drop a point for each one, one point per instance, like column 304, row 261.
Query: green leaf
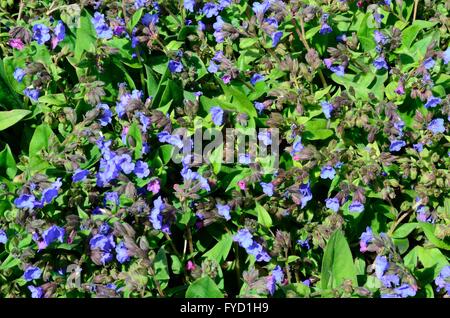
column 220, row 251
column 365, row 34
column 9, row 262
column 161, row 266
column 242, row 102
column 428, row 229
column 405, row 230
column 409, row 35
column 39, row 141
column 135, row 19
column 337, row 263
column 11, row 117
column 7, row 163
column 86, row 36
column 263, row 216
column 203, row 287
column 135, row 133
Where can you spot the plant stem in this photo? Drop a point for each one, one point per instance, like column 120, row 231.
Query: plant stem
column 21, row 5
column 169, row 239
column 416, row 4
column 238, row 266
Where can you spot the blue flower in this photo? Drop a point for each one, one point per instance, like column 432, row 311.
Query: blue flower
column 396, row 145
column 278, row 274
column 102, row 29
column 446, row 56
column 102, row 242
column 36, row 292
column 405, row 290
column 139, row 3
column 259, row 106
column 379, row 37
column 156, row 217
column 356, row 207
column 19, row 74
column 380, row 63
column 189, row 5
column 213, row 67
column 224, row 210
column 244, row 159
column 3, row 237
column 224, row 4
column 432, row 102
column 260, row 8
column 79, row 175
column 25, row 201
column 32, row 93
column 31, row 273
column 328, row 172
column 106, row 114
column 306, row 193
column 168, row 138
column 257, row 250
column 256, row 78
column 365, row 238
column 122, row 253
column 327, row 108
column 111, row 197
column 267, row 188
column 325, row 29
column 390, row 280
column 436, row 126
column 276, row 37
column 51, row 192
column 332, row 204
column 244, row 238
column 304, row 243
column 53, row 233
column 60, row 34
column 219, row 35
column 297, row 146
column 141, row 169
column 265, row 137
column 271, row 284
column 210, row 9
column 148, row 19
column 442, row 280
column 216, row 115
column 41, row 33
column 175, row 66
column 339, row 70
column 381, row 266
column 418, row 147
column 429, row 63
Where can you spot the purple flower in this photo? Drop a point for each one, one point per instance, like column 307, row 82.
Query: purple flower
column 36, row 292
column 141, row 169
column 270, row 284
column 397, row 145
column 32, row 93
column 327, row 108
column 390, row 280
column 79, row 175
column 210, row 9
column 155, row 215
column 442, row 280
column 356, row 206
column 226, row 79
column 244, row 238
column 304, row 243
column 213, row 67
column 102, row 29
column 52, row 234
column 224, row 210
column 19, row 74
column 278, row 274
column 267, row 188
column 175, row 66
column 219, row 35
column 400, row 89
column 25, row 201
column 256, row 78
column 260, row 8
column 189, row 5
column 244, row 159
column 60, row 34
column 31, row 273
column 380, row 63
column 365, row 238
column 436, row 126
column 259, row 106
column 432, row 102
column 328, row 172
column 122, row 254
column 216, row 115
column 3, row 237
column 306, row 193
column 381, row 266
column 332, row 204
column 429, row 63
column 41, row 33
column 418, row 147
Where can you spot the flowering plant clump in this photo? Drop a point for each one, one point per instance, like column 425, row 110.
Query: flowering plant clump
column 120, row 176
